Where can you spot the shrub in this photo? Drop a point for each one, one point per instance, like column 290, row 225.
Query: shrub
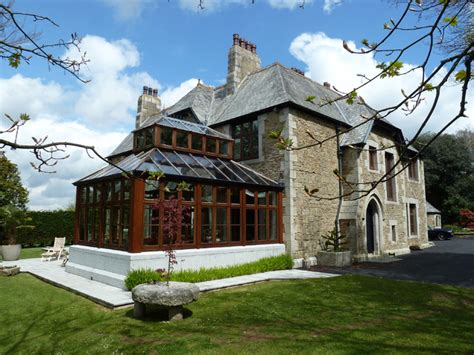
column 141, row 276
column 48, row 225
column 281, row 262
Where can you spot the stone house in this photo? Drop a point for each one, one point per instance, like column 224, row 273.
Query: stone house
column 255, row 101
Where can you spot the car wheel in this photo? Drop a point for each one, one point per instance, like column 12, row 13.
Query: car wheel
column 441, row 236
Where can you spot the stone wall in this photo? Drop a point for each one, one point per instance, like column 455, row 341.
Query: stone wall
column 434, row 220
column 393, row 236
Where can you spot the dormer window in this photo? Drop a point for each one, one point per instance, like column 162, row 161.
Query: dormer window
column 182, row 139
column 211, row 145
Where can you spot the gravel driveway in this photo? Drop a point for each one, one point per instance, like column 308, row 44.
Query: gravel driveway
column 448, row 262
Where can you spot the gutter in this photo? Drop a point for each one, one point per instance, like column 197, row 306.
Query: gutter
column 339, row 167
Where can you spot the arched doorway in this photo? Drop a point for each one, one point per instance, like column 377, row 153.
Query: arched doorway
column 372, row 226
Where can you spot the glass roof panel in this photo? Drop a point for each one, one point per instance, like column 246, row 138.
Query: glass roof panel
column 186, row 165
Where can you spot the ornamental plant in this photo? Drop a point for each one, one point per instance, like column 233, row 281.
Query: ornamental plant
column 174, row 218
column 332, row 241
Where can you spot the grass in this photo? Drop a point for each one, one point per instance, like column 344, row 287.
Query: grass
column 346, row 314
column 280, row 262
column 29, row 253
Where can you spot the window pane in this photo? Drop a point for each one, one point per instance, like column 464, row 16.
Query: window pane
column 108, row 191
column 221, row 225
column 90, row 224
column 250, row 223
column 166, row 136
column 149, row 139
column 196, row 142
column 272, row 198
column 262, row 224
column 223, row 148
column 262, row 198
column 237, row 148
column 151, row 225
column 126, row 189
column 182, row 139
column 125, row 225
column 152, row 189
column 139, row 140
column 115, row 224
column 206, row 225
column 211, row 145
column 187, row 229
column 117, row 190
column 249, row 197
column 188, row 194
column 206, row 192
column 273, row 224
column 107, row 221
column 83, row 195
column 235, row 195
column 90, row 194
column 170, row 190
column 235, row 224
column 221, row 193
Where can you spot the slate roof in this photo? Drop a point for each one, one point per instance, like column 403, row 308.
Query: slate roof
column 431, row 209
column 266, row 88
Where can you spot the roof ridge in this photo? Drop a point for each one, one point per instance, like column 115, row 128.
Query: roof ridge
column 285, row 89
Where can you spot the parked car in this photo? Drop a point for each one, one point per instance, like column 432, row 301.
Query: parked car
column 439, row 233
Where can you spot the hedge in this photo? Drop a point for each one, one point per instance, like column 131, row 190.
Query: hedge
column 48, row 225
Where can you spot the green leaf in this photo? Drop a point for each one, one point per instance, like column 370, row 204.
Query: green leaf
column 14, row 60
column 310, row 98
column 275, row 134
column 452, row 21
column 460, row 75
column 24, row 117
column 351, row 97
column 428, row 87
column 365, row 42
column 390, row 70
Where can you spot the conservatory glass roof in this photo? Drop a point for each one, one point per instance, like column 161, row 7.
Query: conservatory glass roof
column 185, row 126
column 184, row 165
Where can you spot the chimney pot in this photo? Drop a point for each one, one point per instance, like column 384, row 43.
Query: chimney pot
column 242, row 43
column 249, row 46
column 327, row 84
column 150, row 91
column 145, row 90
column 155, row 92
column 235, row 39
column 254, row 48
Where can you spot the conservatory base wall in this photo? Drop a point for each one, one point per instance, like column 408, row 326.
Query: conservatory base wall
column 111, row 266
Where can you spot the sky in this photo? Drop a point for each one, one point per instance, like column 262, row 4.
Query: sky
column 170, row 45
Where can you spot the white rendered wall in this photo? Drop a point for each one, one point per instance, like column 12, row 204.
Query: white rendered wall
column 111, row 266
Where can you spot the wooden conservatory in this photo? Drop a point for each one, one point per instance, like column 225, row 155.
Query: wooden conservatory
column 230, row 204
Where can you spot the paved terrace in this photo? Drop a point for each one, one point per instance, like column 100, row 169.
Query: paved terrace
column 113, row 297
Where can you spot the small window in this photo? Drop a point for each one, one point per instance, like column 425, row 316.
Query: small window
column 373, row 158
column 166, row 136
column 413, row 169
column 181, row 139
column 413, row 219
column 394, row 233
column 390, row 177
column 246, row 140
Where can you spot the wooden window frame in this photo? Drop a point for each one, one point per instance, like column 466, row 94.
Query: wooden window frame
column 413, row 219
column 413, row 171
column 373, row 158
column 249, row 137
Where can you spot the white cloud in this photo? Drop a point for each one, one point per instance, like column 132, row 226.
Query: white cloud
column 172, row 95
column 99, row 113
column 126, row 10
column 329, row 5
column 288, row 4
column 209, row 5
column 327, row 60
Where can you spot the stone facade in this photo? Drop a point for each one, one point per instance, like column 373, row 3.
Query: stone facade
column 434, row 220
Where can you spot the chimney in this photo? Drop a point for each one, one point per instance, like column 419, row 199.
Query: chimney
column 149, row 104
column 327, row 85
column 243, row 60
column 299, row 71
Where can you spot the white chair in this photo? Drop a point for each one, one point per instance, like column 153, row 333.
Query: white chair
column 54, row 252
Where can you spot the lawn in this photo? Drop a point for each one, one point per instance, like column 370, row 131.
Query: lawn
column 347, row 314
column 29, row 253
